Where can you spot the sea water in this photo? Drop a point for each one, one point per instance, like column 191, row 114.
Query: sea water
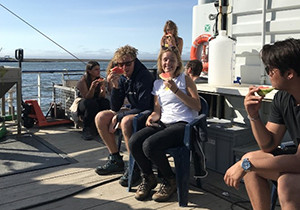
column 48, row 77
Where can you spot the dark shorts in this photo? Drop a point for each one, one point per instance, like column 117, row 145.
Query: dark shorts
column 289, row 150
column 285, row 151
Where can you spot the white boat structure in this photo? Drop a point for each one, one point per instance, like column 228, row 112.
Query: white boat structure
column 252, row 24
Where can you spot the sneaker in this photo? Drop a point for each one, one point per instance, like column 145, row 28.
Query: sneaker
column 136, row 176
column 86, row 134
column 148, row 183
column 114, row 164
column 166, row 190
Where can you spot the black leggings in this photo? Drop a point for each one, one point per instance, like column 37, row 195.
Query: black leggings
column 88, row 108
column 148, row 146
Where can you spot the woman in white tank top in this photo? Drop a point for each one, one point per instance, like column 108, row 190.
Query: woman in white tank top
column 176, row 103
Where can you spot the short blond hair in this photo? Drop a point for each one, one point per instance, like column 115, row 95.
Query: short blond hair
column 125, row 51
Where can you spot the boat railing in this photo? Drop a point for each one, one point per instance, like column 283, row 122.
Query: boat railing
column 64, row 78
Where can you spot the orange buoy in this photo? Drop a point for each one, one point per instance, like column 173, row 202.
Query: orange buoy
column 201, row 43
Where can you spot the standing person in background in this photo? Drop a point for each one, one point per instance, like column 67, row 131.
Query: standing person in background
column 176, row 103
column 134, row 83
column 170, row 37
column 193, row 69
column 270, row 162
column 92, row 91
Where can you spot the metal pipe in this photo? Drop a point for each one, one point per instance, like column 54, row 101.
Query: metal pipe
column 263, row 40
column 39, row 88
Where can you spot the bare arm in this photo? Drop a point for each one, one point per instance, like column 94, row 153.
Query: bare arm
column 155, row 115
column 180, row 45
column 191, row 99
column 267, row 136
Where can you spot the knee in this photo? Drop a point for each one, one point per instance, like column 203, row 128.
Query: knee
column 287, row 188
column 250, row 155
column 148, row 149
column 102, row 119
column 126, row 122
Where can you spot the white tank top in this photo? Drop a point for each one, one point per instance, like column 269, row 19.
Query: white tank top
column 172, row 108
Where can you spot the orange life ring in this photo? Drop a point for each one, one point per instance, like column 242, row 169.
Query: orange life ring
column 201, row 42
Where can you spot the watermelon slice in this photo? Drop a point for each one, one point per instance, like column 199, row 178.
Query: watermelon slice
column 100, row 79
column 118, row 70
column 264, row 90
column 165, row 76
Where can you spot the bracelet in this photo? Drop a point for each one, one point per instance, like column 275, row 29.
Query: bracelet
column 176, row 91
column 253, row 118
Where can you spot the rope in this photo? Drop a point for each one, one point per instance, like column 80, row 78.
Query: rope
column 41, row 33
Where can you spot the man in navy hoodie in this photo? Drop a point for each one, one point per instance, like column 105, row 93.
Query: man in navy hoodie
column 135, row 83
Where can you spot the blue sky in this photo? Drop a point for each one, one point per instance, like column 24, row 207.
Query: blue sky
column 92, row 28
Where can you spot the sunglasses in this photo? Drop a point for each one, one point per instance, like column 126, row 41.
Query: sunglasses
column 270, row 69
column 128, row 63
column 172, row 48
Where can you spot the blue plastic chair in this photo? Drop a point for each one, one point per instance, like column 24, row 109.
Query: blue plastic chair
column 181, row 155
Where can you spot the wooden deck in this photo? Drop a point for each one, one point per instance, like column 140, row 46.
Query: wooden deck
column 77, row 186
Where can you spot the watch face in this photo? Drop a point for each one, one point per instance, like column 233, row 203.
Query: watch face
column 246, row 165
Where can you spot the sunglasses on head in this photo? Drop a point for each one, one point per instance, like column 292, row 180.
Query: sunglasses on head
column 128, row 63
column 173, row 48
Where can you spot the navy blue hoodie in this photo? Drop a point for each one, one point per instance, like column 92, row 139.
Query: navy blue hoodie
column 137, row 89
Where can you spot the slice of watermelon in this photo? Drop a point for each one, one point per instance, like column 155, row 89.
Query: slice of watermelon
column 100, row 79
column 264, row 90
column 118, row 70
column 165, row 76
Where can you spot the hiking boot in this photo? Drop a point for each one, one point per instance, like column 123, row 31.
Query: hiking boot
column 166, row 190
column 86, row 134
column 114, row 164
column 148, row 183
column 136, row 176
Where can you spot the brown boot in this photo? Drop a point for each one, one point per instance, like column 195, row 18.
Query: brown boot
column 166, row 190
column 148, row 183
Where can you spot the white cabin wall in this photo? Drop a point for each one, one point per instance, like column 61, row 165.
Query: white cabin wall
column 245, row 23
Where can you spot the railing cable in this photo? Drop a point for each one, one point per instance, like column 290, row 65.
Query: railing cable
column 42, row 33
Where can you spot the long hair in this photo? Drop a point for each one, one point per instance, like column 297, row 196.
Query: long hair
column 171, row 25
column 175, row 51
column 89, row 66
column 283, row 55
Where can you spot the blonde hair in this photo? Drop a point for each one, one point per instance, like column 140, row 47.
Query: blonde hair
column 125, row 51
column 175, row 51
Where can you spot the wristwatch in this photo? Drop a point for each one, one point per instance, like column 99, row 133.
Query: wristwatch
column 246, row 164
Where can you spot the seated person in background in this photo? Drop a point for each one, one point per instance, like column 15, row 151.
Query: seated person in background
column 176, row 103
column 92, row 91
column 136, row 85
column 270, row 162
column 193, row 69
column 170, row 37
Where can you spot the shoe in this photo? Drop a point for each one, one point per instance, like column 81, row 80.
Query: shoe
column 136, row 176
column 166, row 190
column 86, row 134
column 148, row 183
column 115, row 164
